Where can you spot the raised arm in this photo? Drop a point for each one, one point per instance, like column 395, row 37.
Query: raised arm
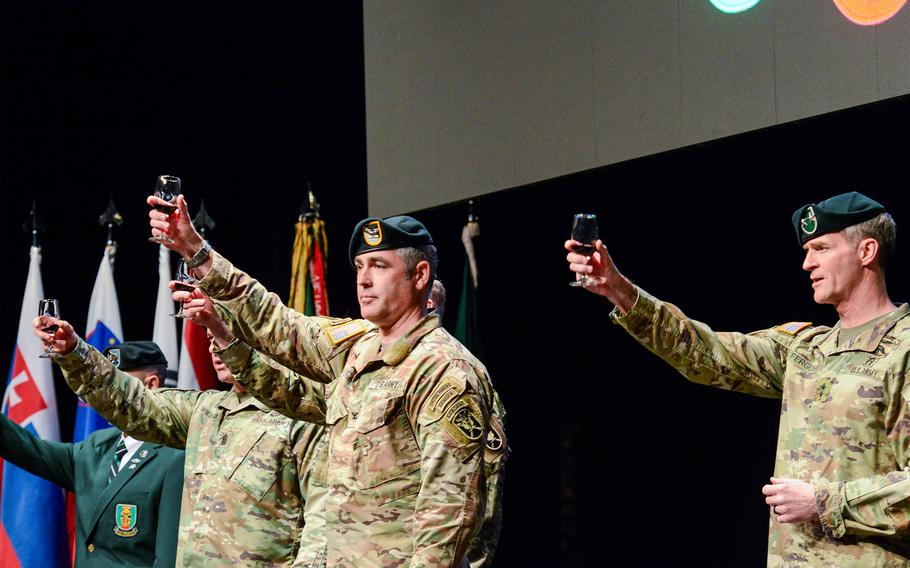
column 278, row 387
column 253, row 314
column 160, row 415
column 749, row 363
column 47, row 459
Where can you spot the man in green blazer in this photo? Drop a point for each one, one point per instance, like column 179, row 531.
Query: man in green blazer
column 127, row 492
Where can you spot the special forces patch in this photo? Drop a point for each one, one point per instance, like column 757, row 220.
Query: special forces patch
column 464, row 417
column 463, row 421
column 809, row 223
column 114, row 356
column 458, row 414
column 125, row 520
column 372, row 233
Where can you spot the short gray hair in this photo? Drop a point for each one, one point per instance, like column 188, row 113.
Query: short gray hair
column 411, row 256
column 882, row 228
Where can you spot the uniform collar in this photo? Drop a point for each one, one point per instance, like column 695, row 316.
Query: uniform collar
column 402, row 347
column 869, row 339
column 234, row 401
column 398, row 350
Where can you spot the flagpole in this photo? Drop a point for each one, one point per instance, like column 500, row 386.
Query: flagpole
column 110, row 218
column 33, row 225
column 203, row 221
column 308, row 293
column 30, row 401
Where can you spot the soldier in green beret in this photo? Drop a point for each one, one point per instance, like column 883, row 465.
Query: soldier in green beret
column 407, row 407
column 840, row 494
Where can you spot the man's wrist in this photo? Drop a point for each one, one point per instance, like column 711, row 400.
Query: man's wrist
column 199, row 255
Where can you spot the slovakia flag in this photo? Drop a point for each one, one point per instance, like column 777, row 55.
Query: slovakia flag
column 103, row 329
column 32, row 527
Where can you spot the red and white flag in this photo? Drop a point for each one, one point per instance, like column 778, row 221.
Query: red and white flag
column 32, row 515
column 196, row 369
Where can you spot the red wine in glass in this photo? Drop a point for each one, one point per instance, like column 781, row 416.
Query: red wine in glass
column 167, row 188
column 585, row 234
column 185, row 283
column 50, row 308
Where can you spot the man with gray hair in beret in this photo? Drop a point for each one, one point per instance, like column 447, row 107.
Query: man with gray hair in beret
column 840, row 493
column 406, row 406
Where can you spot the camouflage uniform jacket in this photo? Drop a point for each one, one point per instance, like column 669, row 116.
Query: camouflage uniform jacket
column 247, row 470
column 844, row 425
column 258, row 369
column 406, row 424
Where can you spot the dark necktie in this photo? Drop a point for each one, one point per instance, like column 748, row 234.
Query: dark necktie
column 119, row 452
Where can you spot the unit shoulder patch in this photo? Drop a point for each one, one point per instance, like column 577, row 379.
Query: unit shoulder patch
column 794, row 327
column 340, row 333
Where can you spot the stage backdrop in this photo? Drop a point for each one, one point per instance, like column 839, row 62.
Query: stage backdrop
column 466, row 98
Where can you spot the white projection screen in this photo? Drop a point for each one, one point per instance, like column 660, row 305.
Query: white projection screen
column 465, row 98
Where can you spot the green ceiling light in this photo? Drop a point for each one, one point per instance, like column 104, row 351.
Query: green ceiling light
column 734, row 6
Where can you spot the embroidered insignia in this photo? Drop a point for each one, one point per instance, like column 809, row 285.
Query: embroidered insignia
column 134, row 460
column 466, row 417
column 132, row 466
column 794, row 327
column 143, row 453
column 494, row 440
column 126, row 516
column 468, row 423
column 114, row 356
column 809, row 223
column 372, row 233
column 345, row 331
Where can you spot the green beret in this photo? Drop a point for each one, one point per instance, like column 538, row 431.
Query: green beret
column 131, row 355
column 397, row 232
column 833, row 214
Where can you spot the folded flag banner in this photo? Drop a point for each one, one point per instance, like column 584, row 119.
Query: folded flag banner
column 196, row 369
column 164, row 332
column 308, row 267
column 103, row 329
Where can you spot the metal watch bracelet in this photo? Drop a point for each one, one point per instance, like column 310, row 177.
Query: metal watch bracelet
column 200, row 256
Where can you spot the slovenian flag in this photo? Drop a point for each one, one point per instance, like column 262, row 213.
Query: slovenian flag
column 196, row 369
column 103, row 329
column 164, row 333
column 32, row 527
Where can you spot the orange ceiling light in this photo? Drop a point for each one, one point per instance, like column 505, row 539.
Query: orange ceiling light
column 869, row 12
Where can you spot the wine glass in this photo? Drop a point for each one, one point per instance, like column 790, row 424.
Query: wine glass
column 584, row 232
column 50, row 308
column 166, row 188
column 185, row 283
